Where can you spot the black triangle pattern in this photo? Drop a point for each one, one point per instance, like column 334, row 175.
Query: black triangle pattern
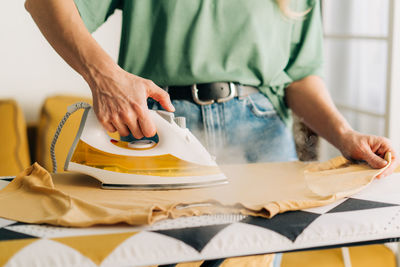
column 19, row 223
column 196, row 237
column 352, row 204
column 6, row 234
column 289, row 224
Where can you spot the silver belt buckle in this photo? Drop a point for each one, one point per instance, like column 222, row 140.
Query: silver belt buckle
column 195, row 95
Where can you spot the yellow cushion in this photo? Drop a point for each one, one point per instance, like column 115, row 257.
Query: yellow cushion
column 14, row 152
column 53, row 110
column 361, row 256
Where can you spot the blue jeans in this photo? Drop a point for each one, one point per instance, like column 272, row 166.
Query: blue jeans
column 238, row 131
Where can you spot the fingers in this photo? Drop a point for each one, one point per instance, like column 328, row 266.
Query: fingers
column 146, row 124
column 119, row 125
column 161, row 97
column 386, row 172
column 103, row 119
column 369, row 148
column 128, row 122
column 109, row 127
column 122, row 106
column 382, row 147
column 137, row 116
column 394, row 164
column 374, row 160
column 131, row 120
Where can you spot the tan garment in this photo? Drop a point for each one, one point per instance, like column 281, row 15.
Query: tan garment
column 262, row 189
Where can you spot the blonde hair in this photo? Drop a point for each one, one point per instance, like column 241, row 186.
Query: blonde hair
column 284, row 6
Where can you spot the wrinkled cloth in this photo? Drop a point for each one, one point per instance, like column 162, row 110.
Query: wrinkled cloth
column 260, row 189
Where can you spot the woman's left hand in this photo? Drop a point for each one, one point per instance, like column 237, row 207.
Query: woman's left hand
column 369, row 148
column 310, row 100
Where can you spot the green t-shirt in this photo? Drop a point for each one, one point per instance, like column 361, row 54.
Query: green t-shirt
column 182, row 42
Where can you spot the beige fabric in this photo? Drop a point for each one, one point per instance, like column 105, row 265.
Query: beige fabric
column 338, row 177
column 262, row 189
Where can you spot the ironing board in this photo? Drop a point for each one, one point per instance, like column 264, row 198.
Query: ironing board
column 371, row 216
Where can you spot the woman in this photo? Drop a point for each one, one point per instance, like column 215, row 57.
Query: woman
column 235, row 69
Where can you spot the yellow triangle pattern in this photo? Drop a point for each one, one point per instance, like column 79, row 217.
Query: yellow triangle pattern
column 95, row 247
column 10, row 247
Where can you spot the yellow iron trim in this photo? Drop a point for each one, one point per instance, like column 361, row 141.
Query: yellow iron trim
column 162, row 165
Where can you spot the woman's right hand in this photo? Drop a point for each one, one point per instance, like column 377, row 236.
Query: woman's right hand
column 119, row 98
column 120, row 102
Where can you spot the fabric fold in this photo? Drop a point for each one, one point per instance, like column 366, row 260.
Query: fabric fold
column 340, row 177
column 261, row 189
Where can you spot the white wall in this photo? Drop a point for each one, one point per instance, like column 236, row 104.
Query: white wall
column 30, row 69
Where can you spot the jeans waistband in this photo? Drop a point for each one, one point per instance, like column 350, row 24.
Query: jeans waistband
column 209, row 93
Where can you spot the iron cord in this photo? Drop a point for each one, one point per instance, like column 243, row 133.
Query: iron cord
column 70, row 110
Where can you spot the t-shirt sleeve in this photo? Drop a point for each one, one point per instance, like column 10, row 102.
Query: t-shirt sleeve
column 95, row 12
column 307, row 54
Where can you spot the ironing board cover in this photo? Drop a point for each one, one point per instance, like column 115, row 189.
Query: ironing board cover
column 261, row 189
column 371, row 216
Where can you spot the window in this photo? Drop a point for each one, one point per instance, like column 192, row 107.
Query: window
column 362, row 57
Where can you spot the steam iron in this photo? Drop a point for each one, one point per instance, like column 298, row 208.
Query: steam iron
column 176, row 161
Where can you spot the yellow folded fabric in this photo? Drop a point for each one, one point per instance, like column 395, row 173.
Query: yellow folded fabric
column 14, row 151
column 261, row 189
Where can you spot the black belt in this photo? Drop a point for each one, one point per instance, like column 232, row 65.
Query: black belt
column 209, row 93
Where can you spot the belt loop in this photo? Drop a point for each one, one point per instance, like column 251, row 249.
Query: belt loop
column 239, row 89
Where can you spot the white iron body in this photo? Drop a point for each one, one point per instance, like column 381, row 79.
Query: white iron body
column 175, row 142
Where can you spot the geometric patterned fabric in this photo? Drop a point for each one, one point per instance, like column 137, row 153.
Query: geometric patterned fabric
column 372, row 215
column 196, row 237
column 301, row 218
column 95, row 247
column 359, row 204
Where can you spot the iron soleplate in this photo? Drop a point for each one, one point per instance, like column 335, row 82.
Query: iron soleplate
column 163, row 186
